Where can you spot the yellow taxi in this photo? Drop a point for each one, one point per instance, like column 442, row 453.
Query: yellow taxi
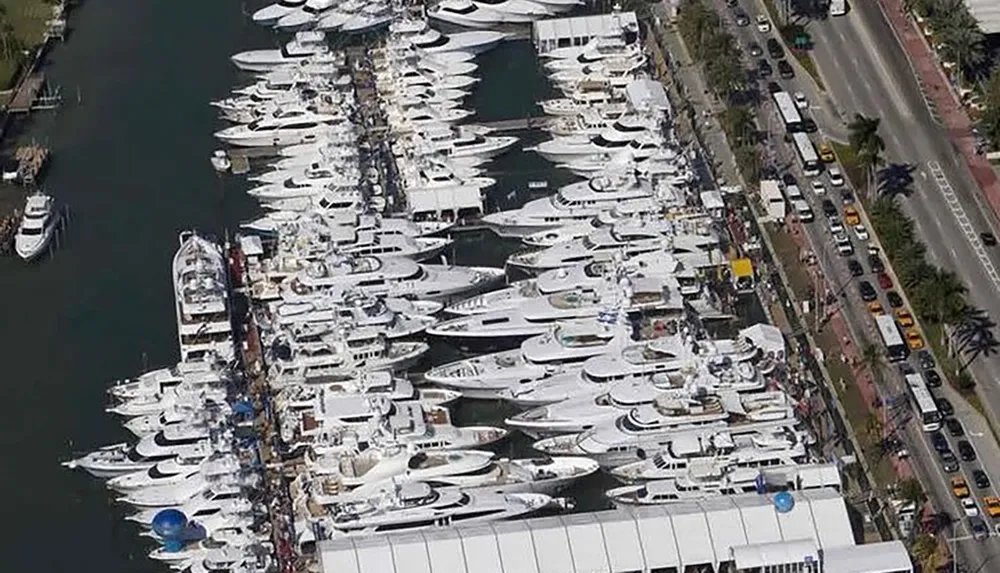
column 851, row 216
column 959, row 486
column 875, row 307
column 904, row 318
column 992, row 505
column 826, row 153
column 914, row 339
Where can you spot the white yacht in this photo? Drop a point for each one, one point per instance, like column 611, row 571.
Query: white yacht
column 773, row 447
column 302, row 127
column 354, row 310
column 527, row 475
column 456, row 142
column 574, row 203
column 175, row 471
column 304, row 45
column 517, row 11
column 362, row 473
column 38, row 225
column 466, row 13
column 201, row 278
column 610, row 141
column 414, row 506
column 707, row 480
column 343, row 11
column 372, row 17
column 310, row 12
column 271, row 13
column 421, row 36
column 633, row 297
column 224, row 507
column 184, row 491
column 227, row 545
column 394, row 277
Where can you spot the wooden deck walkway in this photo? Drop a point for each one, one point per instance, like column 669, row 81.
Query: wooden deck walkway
column 27, row 93
column 518, row 124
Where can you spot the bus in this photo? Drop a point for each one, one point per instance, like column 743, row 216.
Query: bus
column 837, row 8
column 807, row 154
column 789, row 113
column 896, row 349
column 924, row 405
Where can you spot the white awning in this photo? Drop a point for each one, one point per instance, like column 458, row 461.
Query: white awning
column 647, row 93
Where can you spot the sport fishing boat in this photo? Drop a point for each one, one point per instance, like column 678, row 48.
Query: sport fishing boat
column 38, row 226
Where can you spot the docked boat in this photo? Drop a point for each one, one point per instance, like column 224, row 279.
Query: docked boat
column 174, row 471
column 38, row 226
column 304, row 45
column 466, row 13
column 307, row 14
column 271, row 13
column 302, row 127
column 201, row 278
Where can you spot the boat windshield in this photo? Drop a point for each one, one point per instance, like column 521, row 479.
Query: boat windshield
column 28, row 231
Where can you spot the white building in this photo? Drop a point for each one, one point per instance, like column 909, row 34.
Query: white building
column 565, row 32
column 730, row 534
column 987, row 13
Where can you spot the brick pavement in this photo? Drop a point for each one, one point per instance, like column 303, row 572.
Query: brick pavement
column 942, row 97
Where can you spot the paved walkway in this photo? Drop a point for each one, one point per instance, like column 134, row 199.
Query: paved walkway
column 942, row 98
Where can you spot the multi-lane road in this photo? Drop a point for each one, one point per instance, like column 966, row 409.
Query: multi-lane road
column 873, row 78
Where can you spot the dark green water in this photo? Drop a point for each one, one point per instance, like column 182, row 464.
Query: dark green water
column 131, row 159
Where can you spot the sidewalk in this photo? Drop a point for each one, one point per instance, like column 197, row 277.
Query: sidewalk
column 939, row 93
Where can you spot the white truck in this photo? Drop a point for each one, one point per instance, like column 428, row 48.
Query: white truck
column 837, row 8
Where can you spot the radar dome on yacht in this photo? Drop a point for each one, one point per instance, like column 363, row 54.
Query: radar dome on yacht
column 784, row 502
column 170, row 523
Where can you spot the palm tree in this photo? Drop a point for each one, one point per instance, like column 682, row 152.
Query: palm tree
column 739, row 123
column 910, row 491
column 942, row 297
column 965, row 45
column 867, row 144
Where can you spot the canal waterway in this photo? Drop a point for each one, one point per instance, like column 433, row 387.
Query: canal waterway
column 131, row 159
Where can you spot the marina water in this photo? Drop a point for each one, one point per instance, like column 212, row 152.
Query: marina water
column 131, row 159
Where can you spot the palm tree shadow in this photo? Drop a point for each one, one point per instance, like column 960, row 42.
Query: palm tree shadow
column 975, row 336
column 895, row 179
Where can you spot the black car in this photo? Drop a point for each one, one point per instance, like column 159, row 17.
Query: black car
column 925, row 359
column 774, row 49
column 764, row 68
column 829, row 209
column 989, row 239
column 785, row 70
column 789, row 179
column 855, row 267
column 933, row 378
column 773, row 87
column 954, row 427
column 741, row 17
column 949, row 462
column 867, row 291
column 755, row 50
column 980, row 478
column 876, row 264
column 979, row 528
column 846, row 196
column 966, row 451
column 808, row 125
column 945, row 407
column 939, row 442
column 895, row 301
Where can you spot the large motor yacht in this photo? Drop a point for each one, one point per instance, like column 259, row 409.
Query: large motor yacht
column 38, row 226
column 200, row 277
column 466, row 13
column 270, row 14
column 304, row 45
column 288, row 129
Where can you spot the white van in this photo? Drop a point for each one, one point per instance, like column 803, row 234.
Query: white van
column 793, row 192
column 803, row 210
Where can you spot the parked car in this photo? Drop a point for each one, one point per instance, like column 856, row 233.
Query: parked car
column 844, row 246
column 808, row 125
column 826, row 154
column 932, row 378
column 944, row 406
column 867, row 291
column 846, row 196
column 954, row 427
column 969, row 506
column 755, row 50
column 904, row 318
column 926, row 359
column 763, row 25
column 992, row 505
column 914, row 340
column 978, row 527
column 861, row 232
column 876, row 264
column 741, row 17
column 764, row 68
column 940, row 443
column 884, row 282
column 855, row 268
column 980, row 478
column 875, row 307
column 829, row 209
column 835, row 174
column 818, row 187
column 966, row 451
column 958, row 485
column 851, row 216
column 989, row 239
column 895, row 301
column 785, row 70
column 774, row 49
column 800, row 100
column 835, row 225
column 949, row 462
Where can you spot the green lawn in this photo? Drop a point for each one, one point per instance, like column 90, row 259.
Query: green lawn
column 29, row 19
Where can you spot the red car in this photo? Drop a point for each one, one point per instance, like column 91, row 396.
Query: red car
column 884, row 281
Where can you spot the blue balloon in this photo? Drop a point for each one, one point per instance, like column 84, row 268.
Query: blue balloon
column 784, row 502
column 169, row 523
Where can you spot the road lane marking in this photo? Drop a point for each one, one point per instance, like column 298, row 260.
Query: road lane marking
column 963, row 221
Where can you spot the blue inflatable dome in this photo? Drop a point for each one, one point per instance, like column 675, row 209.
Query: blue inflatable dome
column 784, row 502
column 169, row 523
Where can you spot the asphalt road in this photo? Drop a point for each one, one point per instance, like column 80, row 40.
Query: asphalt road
column 861, row 79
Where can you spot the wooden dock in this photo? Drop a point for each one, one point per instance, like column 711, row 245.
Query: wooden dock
column 27, row 93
